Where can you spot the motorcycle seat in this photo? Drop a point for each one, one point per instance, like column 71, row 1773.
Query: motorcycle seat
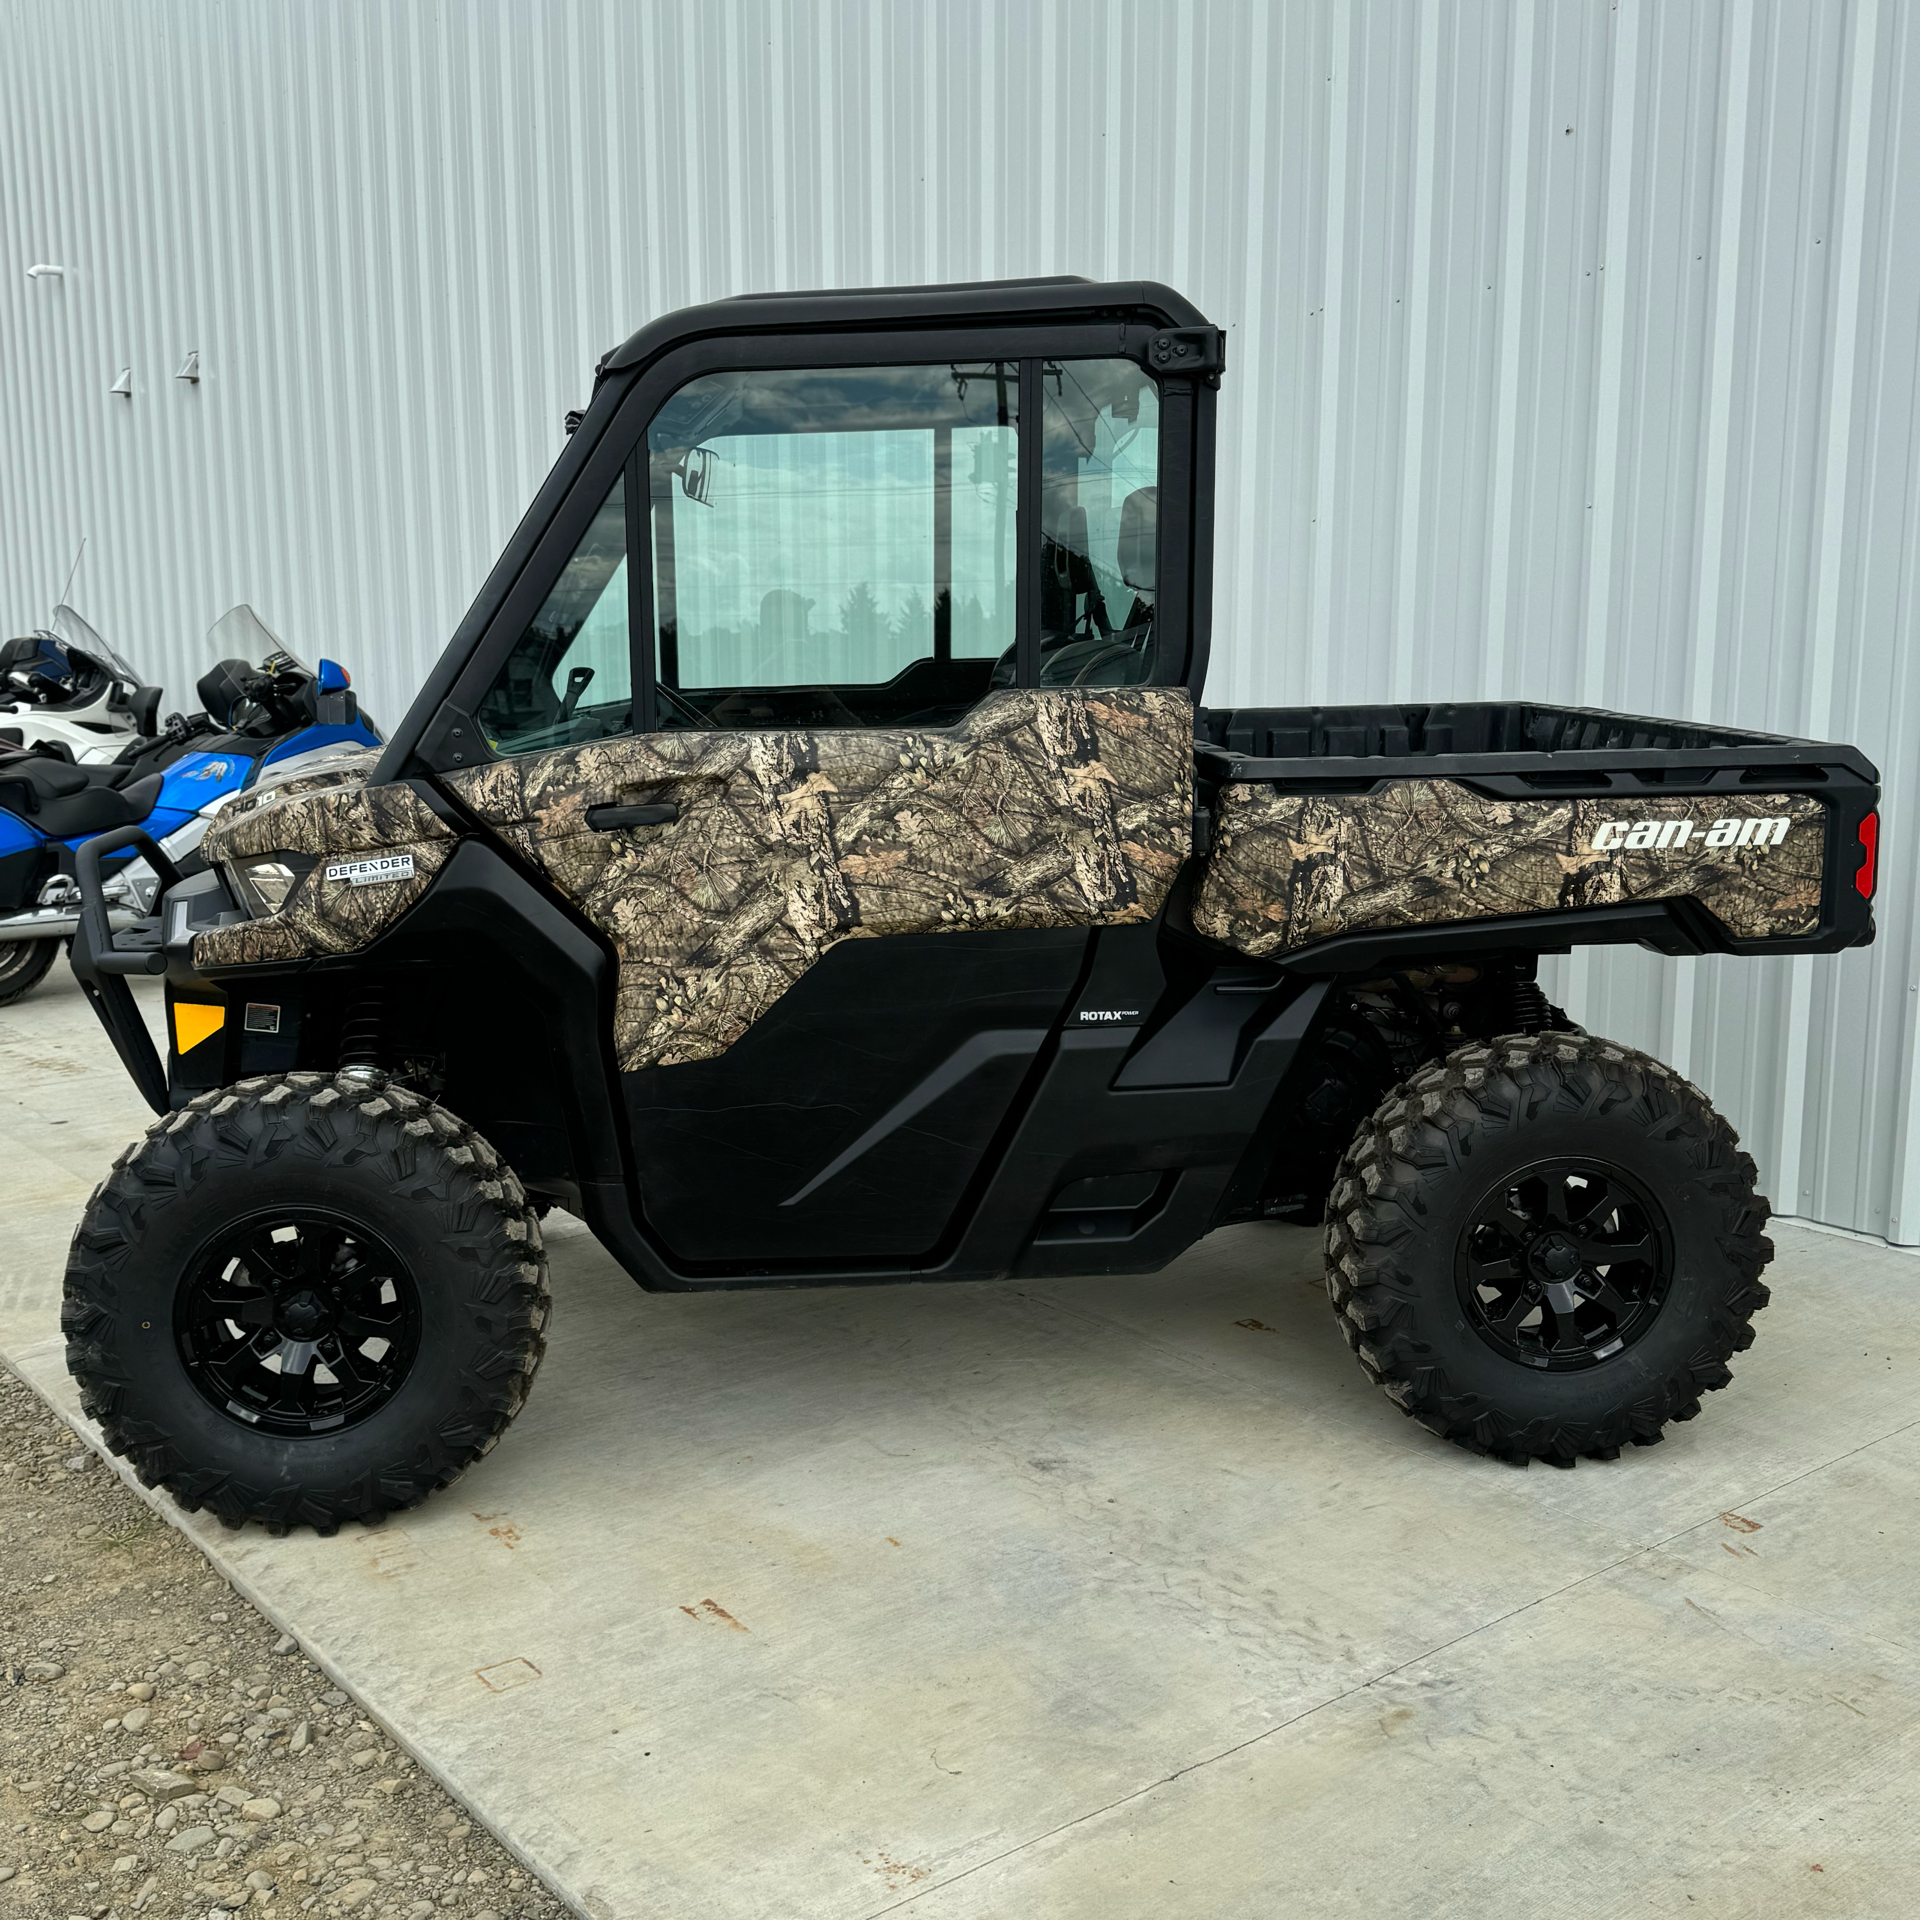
column 64, row 801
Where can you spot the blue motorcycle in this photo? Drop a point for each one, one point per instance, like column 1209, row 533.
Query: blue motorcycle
column 259, row 726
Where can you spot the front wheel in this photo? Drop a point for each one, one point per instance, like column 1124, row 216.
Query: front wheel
column 311, row 1298
column 23, row 965
column 1546, row 1246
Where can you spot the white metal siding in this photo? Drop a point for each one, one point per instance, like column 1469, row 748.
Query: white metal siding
column 1574, row 351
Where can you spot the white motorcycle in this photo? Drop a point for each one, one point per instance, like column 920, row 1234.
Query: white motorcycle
column 64, row 690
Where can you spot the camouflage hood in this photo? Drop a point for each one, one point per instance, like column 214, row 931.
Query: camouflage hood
column 355, row 836
column 325, row 809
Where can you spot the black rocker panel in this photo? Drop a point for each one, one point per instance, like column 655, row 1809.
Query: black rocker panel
column 848, row 1120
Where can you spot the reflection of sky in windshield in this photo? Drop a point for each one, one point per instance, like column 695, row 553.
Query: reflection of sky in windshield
column 602, row 645
column 838, row 400
column 815, row 561
column 813, row 558
column 588, row 606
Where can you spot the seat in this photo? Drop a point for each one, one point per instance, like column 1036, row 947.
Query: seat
column 1139, row 538
column 29, row 780
column 223, row 690
column 100, row 808
column 64, row 802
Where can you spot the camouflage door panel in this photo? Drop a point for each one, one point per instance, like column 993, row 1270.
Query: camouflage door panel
column 337, row 821
column 1287, row 869
column 1040, row 809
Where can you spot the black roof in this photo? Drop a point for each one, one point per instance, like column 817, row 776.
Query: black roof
column 966, row 303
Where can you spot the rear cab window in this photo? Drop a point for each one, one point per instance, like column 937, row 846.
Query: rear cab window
column 1099, row 523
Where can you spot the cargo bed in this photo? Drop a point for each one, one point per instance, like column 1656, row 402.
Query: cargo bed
column 1365, row 837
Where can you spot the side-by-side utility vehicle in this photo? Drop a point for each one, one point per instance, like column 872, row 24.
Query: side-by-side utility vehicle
column 810, row 864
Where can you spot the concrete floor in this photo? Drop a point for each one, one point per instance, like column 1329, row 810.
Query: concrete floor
column 1107, row 1598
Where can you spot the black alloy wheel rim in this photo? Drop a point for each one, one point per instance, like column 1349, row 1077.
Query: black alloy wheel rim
column 297, row 1323
column 1565, row 1264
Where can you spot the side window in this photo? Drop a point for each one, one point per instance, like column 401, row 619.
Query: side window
column 834, row 547
column 1099, row 501
column 569, row 678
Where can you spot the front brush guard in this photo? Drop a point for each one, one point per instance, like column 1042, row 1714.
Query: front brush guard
column 101, row 958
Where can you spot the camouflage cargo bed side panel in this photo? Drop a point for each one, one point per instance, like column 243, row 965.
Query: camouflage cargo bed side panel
column 1040, row 809
column 1288, row 869
column 337, row 823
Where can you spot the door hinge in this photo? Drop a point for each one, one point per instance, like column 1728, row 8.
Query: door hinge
column 1195, row 350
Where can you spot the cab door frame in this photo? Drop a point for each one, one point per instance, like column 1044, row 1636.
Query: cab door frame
column 1024, row 322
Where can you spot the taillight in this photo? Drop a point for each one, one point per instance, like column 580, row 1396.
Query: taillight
column 1869, row 852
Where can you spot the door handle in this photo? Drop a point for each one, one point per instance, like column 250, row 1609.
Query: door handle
column 651, row 813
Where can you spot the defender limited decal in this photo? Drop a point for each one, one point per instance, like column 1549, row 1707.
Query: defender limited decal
column 1613, row 835
column 371, row 872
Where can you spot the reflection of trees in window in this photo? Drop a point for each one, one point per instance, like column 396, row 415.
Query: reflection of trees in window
column 863, row 622
column 975, row 630
column 913, row 624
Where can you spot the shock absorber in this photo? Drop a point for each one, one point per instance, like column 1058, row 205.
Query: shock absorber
column 361, row 1031
column 1528, row 1008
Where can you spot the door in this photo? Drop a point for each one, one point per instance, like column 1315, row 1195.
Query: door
column 889, row 752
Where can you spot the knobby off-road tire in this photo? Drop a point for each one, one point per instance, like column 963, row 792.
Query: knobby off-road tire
column 369, row 1166
column 23, row 965
column 1445, row 1147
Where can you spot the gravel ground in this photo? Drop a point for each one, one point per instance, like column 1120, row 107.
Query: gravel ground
column 164, row 1751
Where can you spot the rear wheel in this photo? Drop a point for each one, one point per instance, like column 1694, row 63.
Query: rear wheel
column 306, row 1299
column 1547, row 1246
column 23, row 965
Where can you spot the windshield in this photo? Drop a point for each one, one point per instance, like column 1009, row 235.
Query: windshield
column 240, row 633
column 77, row 636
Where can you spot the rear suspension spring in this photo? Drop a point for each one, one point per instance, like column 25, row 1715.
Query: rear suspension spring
column 362, row 1030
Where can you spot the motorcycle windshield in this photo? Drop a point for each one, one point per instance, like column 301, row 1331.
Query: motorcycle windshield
column 240, row 633
column 77, row 636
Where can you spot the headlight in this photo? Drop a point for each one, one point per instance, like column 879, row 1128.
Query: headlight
column 262, row 885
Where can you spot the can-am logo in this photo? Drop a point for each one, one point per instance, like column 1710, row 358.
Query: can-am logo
column 1613, row 836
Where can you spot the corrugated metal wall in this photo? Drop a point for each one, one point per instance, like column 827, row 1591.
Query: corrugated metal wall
column 1574, row 350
